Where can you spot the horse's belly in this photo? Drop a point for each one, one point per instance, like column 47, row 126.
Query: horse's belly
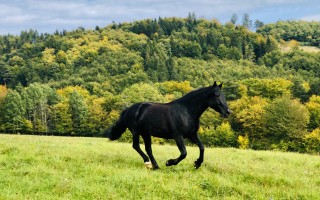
column 156, row 128
column 161, row 134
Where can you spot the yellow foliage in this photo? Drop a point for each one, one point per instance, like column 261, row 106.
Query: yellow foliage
column 306, row 86
column 174, row 86
column 3, row 91
column 243, row 90
column 169, row 97
column 315, row 99
column 61, row 56
column 293, row 44
column 313, row 106
column 27, row 125
column 314, row 109
column 96, row 107
column 113, row 117
column 314, row 134
column 200, row 131
column 249, row 112
column 65, row 92
column 243, row 141
column 48, row 55
column 89, row 44
column 270, row 88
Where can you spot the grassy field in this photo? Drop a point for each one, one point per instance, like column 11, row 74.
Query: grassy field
column 45, row 167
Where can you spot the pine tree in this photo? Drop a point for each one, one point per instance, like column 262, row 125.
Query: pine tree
column 234, row 18
column 246, row 21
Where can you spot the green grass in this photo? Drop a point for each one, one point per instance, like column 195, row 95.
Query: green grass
column 40, row 167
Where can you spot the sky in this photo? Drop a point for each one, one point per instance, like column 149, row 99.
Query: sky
column 47, row 16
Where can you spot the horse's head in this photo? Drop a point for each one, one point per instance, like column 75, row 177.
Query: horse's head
column 217, row 101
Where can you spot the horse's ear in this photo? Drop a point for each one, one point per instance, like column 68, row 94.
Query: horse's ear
column 215, row 84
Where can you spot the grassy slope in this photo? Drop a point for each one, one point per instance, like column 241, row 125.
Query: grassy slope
column 38, row 167
column 310, row 49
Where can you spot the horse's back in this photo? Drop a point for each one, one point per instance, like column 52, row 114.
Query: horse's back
column 161, row 120
column 150, row 119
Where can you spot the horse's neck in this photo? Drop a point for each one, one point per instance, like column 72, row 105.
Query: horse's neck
column 195, row 102
column 196, row 106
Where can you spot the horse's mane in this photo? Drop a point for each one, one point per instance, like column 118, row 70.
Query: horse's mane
column 191, row 95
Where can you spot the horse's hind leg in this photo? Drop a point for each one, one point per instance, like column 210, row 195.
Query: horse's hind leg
column 180, row 143
column 195, row 139
column 147, row 143
column 136, row 146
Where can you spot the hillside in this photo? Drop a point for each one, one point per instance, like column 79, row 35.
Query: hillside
column 77, row 83
column 304, row 32
column 34, row 167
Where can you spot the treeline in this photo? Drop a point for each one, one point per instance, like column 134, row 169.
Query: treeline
column 77, row 83
column 305, row 32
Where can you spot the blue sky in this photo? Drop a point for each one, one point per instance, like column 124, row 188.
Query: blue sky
column 48, row 15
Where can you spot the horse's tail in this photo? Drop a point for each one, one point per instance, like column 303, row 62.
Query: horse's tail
column 118, row 128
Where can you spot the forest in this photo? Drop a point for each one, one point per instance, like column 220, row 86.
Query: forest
column 76, row 83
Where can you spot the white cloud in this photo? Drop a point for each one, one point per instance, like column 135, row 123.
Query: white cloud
column 49, row 15
column 311, row 17
column 17, row 19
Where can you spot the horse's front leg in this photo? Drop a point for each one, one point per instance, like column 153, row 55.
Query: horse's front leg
column 195, row 139
column 180, row 143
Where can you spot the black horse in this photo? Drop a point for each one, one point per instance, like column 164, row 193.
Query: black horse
column 176, row 120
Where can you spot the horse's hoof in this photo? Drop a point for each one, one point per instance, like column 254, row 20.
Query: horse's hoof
column 196, row 165
column 170, row 162
column 148, row 165
column 156, row 167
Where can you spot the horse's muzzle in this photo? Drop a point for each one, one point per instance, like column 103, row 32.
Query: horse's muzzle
column 226, row 114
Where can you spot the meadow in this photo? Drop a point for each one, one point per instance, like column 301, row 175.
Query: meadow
column 48, row 167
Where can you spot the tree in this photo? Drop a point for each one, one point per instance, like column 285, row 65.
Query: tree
column 156, row 61
column 268, row 88
column 141, row 92
column 258, row 24
column 300, row 88
column 247, row 118
column 97, row 119
column 78, row 111
column 191, row 21
column 222, row 135
column 248, row 50
column 231, row 53
column 13, row 111
column 36, row 97
column 3, row 94
column 285, row 119
column 314, row 108
column 234, row 18
column 60, row 119
column 68, row 114
column 246, row 21
column 271, row 44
